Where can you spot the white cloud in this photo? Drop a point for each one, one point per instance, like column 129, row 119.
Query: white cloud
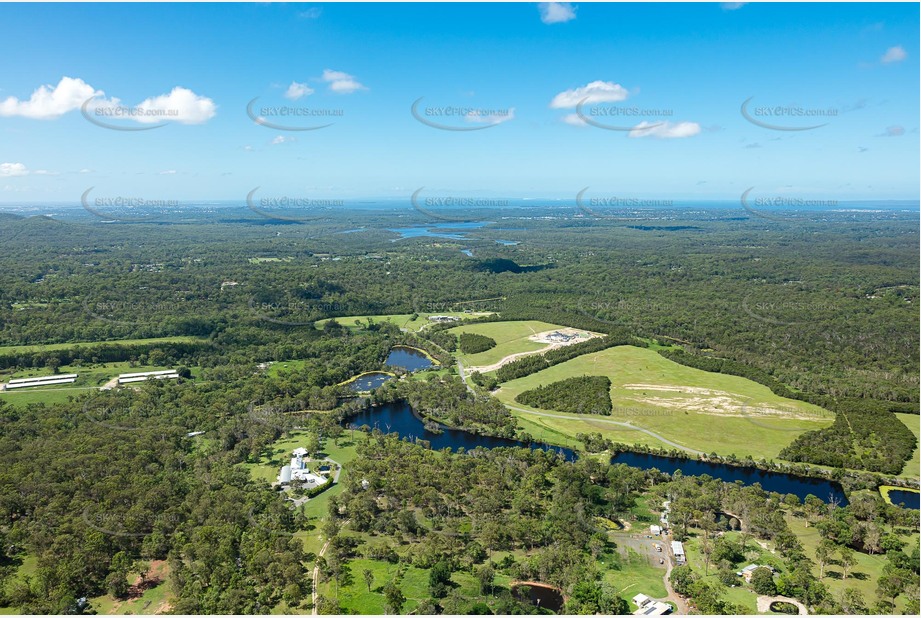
column 665, row 130
column 181, row 105
column 894, row 54
column 575, row 120
column 732, row 6
column 167, row 172
column 282, row 139
column 50, row 101
column 556, row 12
column 8, row 170
column 85, row 170
column 340, row 82
column 594, row 92
column 297, row 90
column 497, row 118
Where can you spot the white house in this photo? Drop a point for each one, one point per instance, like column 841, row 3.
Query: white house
column 297, row 470
column 650, row 607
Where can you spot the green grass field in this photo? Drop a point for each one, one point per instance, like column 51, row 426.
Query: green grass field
column 356, row 599
column 706, row 411
column 403, row 320
column 89, row 378
column 510, row 337
column 863, row 576
column 31, row 349
column 911, row 469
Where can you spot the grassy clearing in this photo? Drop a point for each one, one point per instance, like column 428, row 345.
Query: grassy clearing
column 89, row 378
column 632, row 574
column 510, row 338
column 356, row 598
column 863, row 576
column 710, row 412
column 912, row 467
column 406, row 321
column 266, row 468
column 31, row 349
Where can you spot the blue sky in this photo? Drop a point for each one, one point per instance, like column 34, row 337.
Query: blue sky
column 517, row 71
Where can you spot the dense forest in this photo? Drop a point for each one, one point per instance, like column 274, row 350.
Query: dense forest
column 111, row 482
column 472, row 343
column 580, row 395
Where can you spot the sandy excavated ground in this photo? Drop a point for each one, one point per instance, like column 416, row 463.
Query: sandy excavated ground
column 539, row 338
column 713, row 402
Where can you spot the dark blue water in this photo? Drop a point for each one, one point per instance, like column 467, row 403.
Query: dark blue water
column 408, row 359
column 779, row 482
column 399, row 418
column 369, row 381
column 907, row 499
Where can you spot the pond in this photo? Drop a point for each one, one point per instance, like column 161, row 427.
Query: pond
column 369, row 381
column 541, row 595
column 398, row 418
column 906, row 499
column 408, row 358
column 779, row 482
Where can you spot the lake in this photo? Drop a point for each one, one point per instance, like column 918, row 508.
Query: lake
column 398, row 418
column 908, row 499
column 779, row 482
column 438, row 230
column 408, row 359
column 369, row 381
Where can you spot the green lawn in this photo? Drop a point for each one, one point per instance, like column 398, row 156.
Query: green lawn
column 510, row 337
column 89, row 378
column 863, row 576
column 355, row 597
column 632, row 574
column 710, row 412
column 28, row 349
column 403, row 320
column 912, row 466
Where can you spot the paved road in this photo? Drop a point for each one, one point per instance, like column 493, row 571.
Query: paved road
column 593, row 418
column 463, row 376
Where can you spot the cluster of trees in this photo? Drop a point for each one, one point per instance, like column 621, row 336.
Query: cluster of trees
column 579, row 395
column 448, row 512
column 472, row 343
column 95, row 492
column 863, row 436
column 446, row 400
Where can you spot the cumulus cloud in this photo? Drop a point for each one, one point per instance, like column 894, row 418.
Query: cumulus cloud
column 894, row 54
column 167, row 172
column 665, row 130
column 594, row 92
column 282, row 139
column 556, row 12
column 48, row 102
column 342, row 83
column 8, row 170
column 732, row 6
column 181, row 105
column 297, row 90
